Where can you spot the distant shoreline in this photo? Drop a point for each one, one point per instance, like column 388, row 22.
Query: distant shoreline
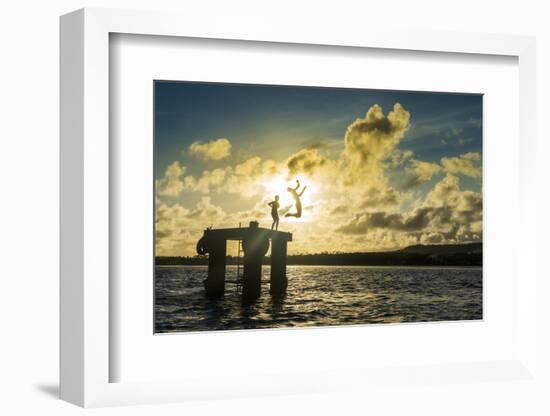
column 420, row 255
column 409, row 266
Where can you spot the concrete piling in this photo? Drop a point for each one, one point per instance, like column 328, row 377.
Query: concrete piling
column 215, row 282
column 255, row 242
column 279, row 281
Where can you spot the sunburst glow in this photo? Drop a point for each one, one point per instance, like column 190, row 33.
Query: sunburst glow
column 278, row 184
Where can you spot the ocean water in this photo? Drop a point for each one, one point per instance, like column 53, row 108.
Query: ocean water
column 320, row 295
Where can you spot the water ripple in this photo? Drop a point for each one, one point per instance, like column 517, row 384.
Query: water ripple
column 320, row 295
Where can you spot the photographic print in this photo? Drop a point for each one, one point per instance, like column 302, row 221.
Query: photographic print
column 292, row 206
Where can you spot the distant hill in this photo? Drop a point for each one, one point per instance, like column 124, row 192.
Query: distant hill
column 418, row 255
column 469, row 248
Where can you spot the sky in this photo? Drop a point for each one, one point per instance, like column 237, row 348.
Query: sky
column 383, row 169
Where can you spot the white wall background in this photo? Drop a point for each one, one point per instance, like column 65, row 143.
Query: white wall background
column 29, row 209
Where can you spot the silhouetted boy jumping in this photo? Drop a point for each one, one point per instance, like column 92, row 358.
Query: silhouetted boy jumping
column 297, row 201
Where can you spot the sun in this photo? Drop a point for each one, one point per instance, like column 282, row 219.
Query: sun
column 278, row 184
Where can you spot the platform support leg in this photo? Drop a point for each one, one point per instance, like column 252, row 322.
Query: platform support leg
column 279, row 281
column 215, row 282
column 252, row 278
column 255, row 247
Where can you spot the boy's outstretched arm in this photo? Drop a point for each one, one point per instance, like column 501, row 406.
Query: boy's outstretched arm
column 301, row 193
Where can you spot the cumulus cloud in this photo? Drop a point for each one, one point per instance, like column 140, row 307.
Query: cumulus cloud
column 468, row 164
column 466, row 205
column 340, row 209
column 177, row 229
column 424, row 170
column 448, row 214
column 216, row 149
column 172, row 184
column 207, row 211
column 420, row 172
column 399, row 157
column 414, row 221
column 172, row 229
column 210, row 179
column 445, row 192
column 245, row 179
column 250, row 167
column 377, row 196
column 306, row 161
column 372, row 139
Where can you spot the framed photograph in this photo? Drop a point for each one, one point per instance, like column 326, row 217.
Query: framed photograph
column 306, row 207
column 345, row 214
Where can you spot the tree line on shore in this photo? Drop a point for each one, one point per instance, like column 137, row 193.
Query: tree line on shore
column 419, row 255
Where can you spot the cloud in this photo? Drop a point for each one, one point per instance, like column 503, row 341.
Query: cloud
column 172, row 229
column 415, row 221
column 216, row 149
column 177, row 229
column 172, row 184
column 424, row 170
column 467, row 206
column 399, row 157
column 340, row 209
column 445, row 192
column 270, row 167
column 246, row 179
column 472, row 156
column 370, row 140
column 250, row 167
column 432, row 238
column 210, row 180
column 379, row 197
column 370, row 149
column 305, row 161
column 207, row 211
column 468, row 164
column 420, row 172
column 447, row 214
column 258, row 212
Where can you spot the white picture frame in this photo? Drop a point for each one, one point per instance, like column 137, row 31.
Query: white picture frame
column 85, row 163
